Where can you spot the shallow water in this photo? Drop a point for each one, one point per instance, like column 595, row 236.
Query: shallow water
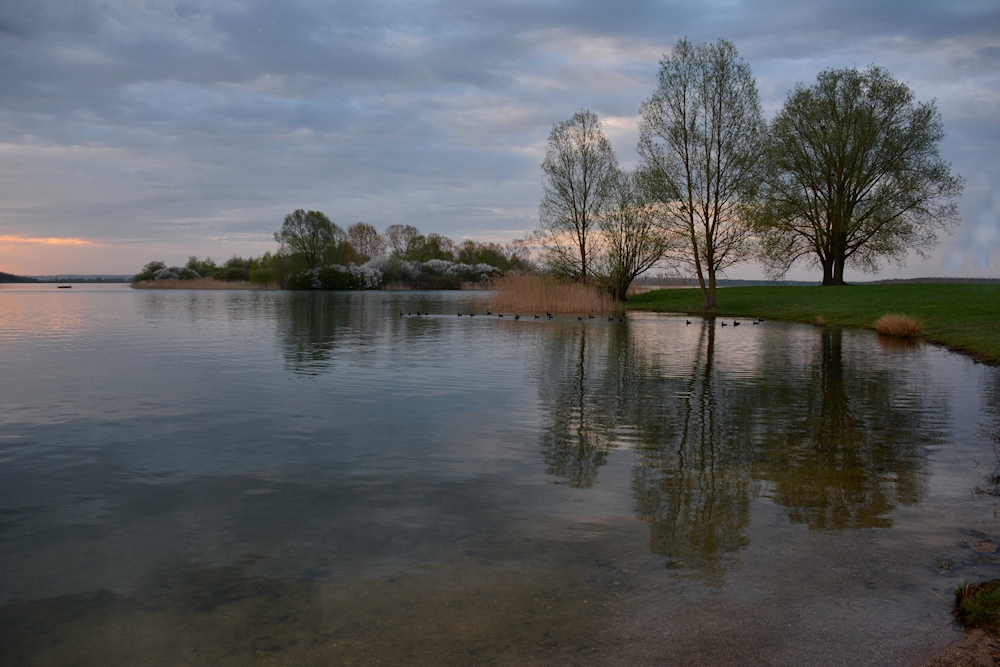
column 233, row 478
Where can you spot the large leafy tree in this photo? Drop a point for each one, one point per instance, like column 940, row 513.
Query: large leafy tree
column 854, row 175
column 579, row 169
column 310, row 236
column 700, row 142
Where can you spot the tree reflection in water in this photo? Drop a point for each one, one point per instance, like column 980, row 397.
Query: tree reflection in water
column 854, row 452
column 839, row 443
column 312, row 325
column 692, row 479
column 576, row 442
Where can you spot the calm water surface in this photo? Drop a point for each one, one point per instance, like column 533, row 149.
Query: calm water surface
column 241, row 478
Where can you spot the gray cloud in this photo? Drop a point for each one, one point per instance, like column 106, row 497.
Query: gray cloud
column 173, row 124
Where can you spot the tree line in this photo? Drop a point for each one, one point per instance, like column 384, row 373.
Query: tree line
column 316, row 253
column 848, row 173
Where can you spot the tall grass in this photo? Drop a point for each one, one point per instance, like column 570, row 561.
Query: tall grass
column 898, row 325
column 202, row 284
column 516, row 293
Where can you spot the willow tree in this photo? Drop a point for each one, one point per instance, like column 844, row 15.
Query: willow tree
column 700, row 143
column 579, row 170
column 854, row 175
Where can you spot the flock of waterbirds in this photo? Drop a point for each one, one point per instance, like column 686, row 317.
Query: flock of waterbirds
column 550, row 316
column 517, row 316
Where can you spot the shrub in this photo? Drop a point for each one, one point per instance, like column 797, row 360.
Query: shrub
column 978, row 605
column 898, row 325
column 336, row 277
column 233, row 273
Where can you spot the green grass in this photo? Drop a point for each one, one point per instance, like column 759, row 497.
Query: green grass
column 978, row 605
column 964, row 317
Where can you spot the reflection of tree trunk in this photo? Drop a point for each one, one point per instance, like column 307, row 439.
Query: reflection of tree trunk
column 696, row 495
column 576, row 445
column 834, row 410
column 582, row 438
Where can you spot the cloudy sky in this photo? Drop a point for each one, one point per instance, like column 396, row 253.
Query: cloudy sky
column 135, row 130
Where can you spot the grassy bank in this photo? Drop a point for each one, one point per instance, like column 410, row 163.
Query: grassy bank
column 965, row 317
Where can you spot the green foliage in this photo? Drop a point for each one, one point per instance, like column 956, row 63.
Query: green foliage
column 962, row 316
column 854, row 176
column 979, row 605
column 148, row 271
column 510, row 257
column 433, row 246
column 313, row 237
column 205, row 268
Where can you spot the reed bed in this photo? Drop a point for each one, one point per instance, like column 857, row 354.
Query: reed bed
column 899, row 326
column 202, row 284
column 542, row 294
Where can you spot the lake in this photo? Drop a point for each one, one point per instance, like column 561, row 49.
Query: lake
column 243, row 478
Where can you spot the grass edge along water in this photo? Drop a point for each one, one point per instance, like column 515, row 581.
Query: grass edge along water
column 965, row 317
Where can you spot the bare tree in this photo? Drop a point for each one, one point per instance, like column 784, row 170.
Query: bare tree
column 579, row 167
column 700, row 142
column 633, row 237
column 365, row 241
column 398, row 238
column 854, row 175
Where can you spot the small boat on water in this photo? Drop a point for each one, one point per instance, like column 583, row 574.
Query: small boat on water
column 64, row 286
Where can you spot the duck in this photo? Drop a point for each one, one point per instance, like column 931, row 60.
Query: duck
column 516, row 316
column 578, row 317
column 488, row 312
column 500, row 315
column 610, row 319
column 724, row 324
column 736, row 324
column 589, row 316
column 548, row 315
column 460, row 314
column 687, row 321
column 536, row 317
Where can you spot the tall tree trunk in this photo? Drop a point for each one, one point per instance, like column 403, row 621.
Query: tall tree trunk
column 708, row 298
column 827, row 262
column 839, row 257
column 838, row 269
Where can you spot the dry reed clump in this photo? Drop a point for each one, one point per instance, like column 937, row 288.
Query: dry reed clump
column 202, row 284
column 898, row 325
column 542, row 294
